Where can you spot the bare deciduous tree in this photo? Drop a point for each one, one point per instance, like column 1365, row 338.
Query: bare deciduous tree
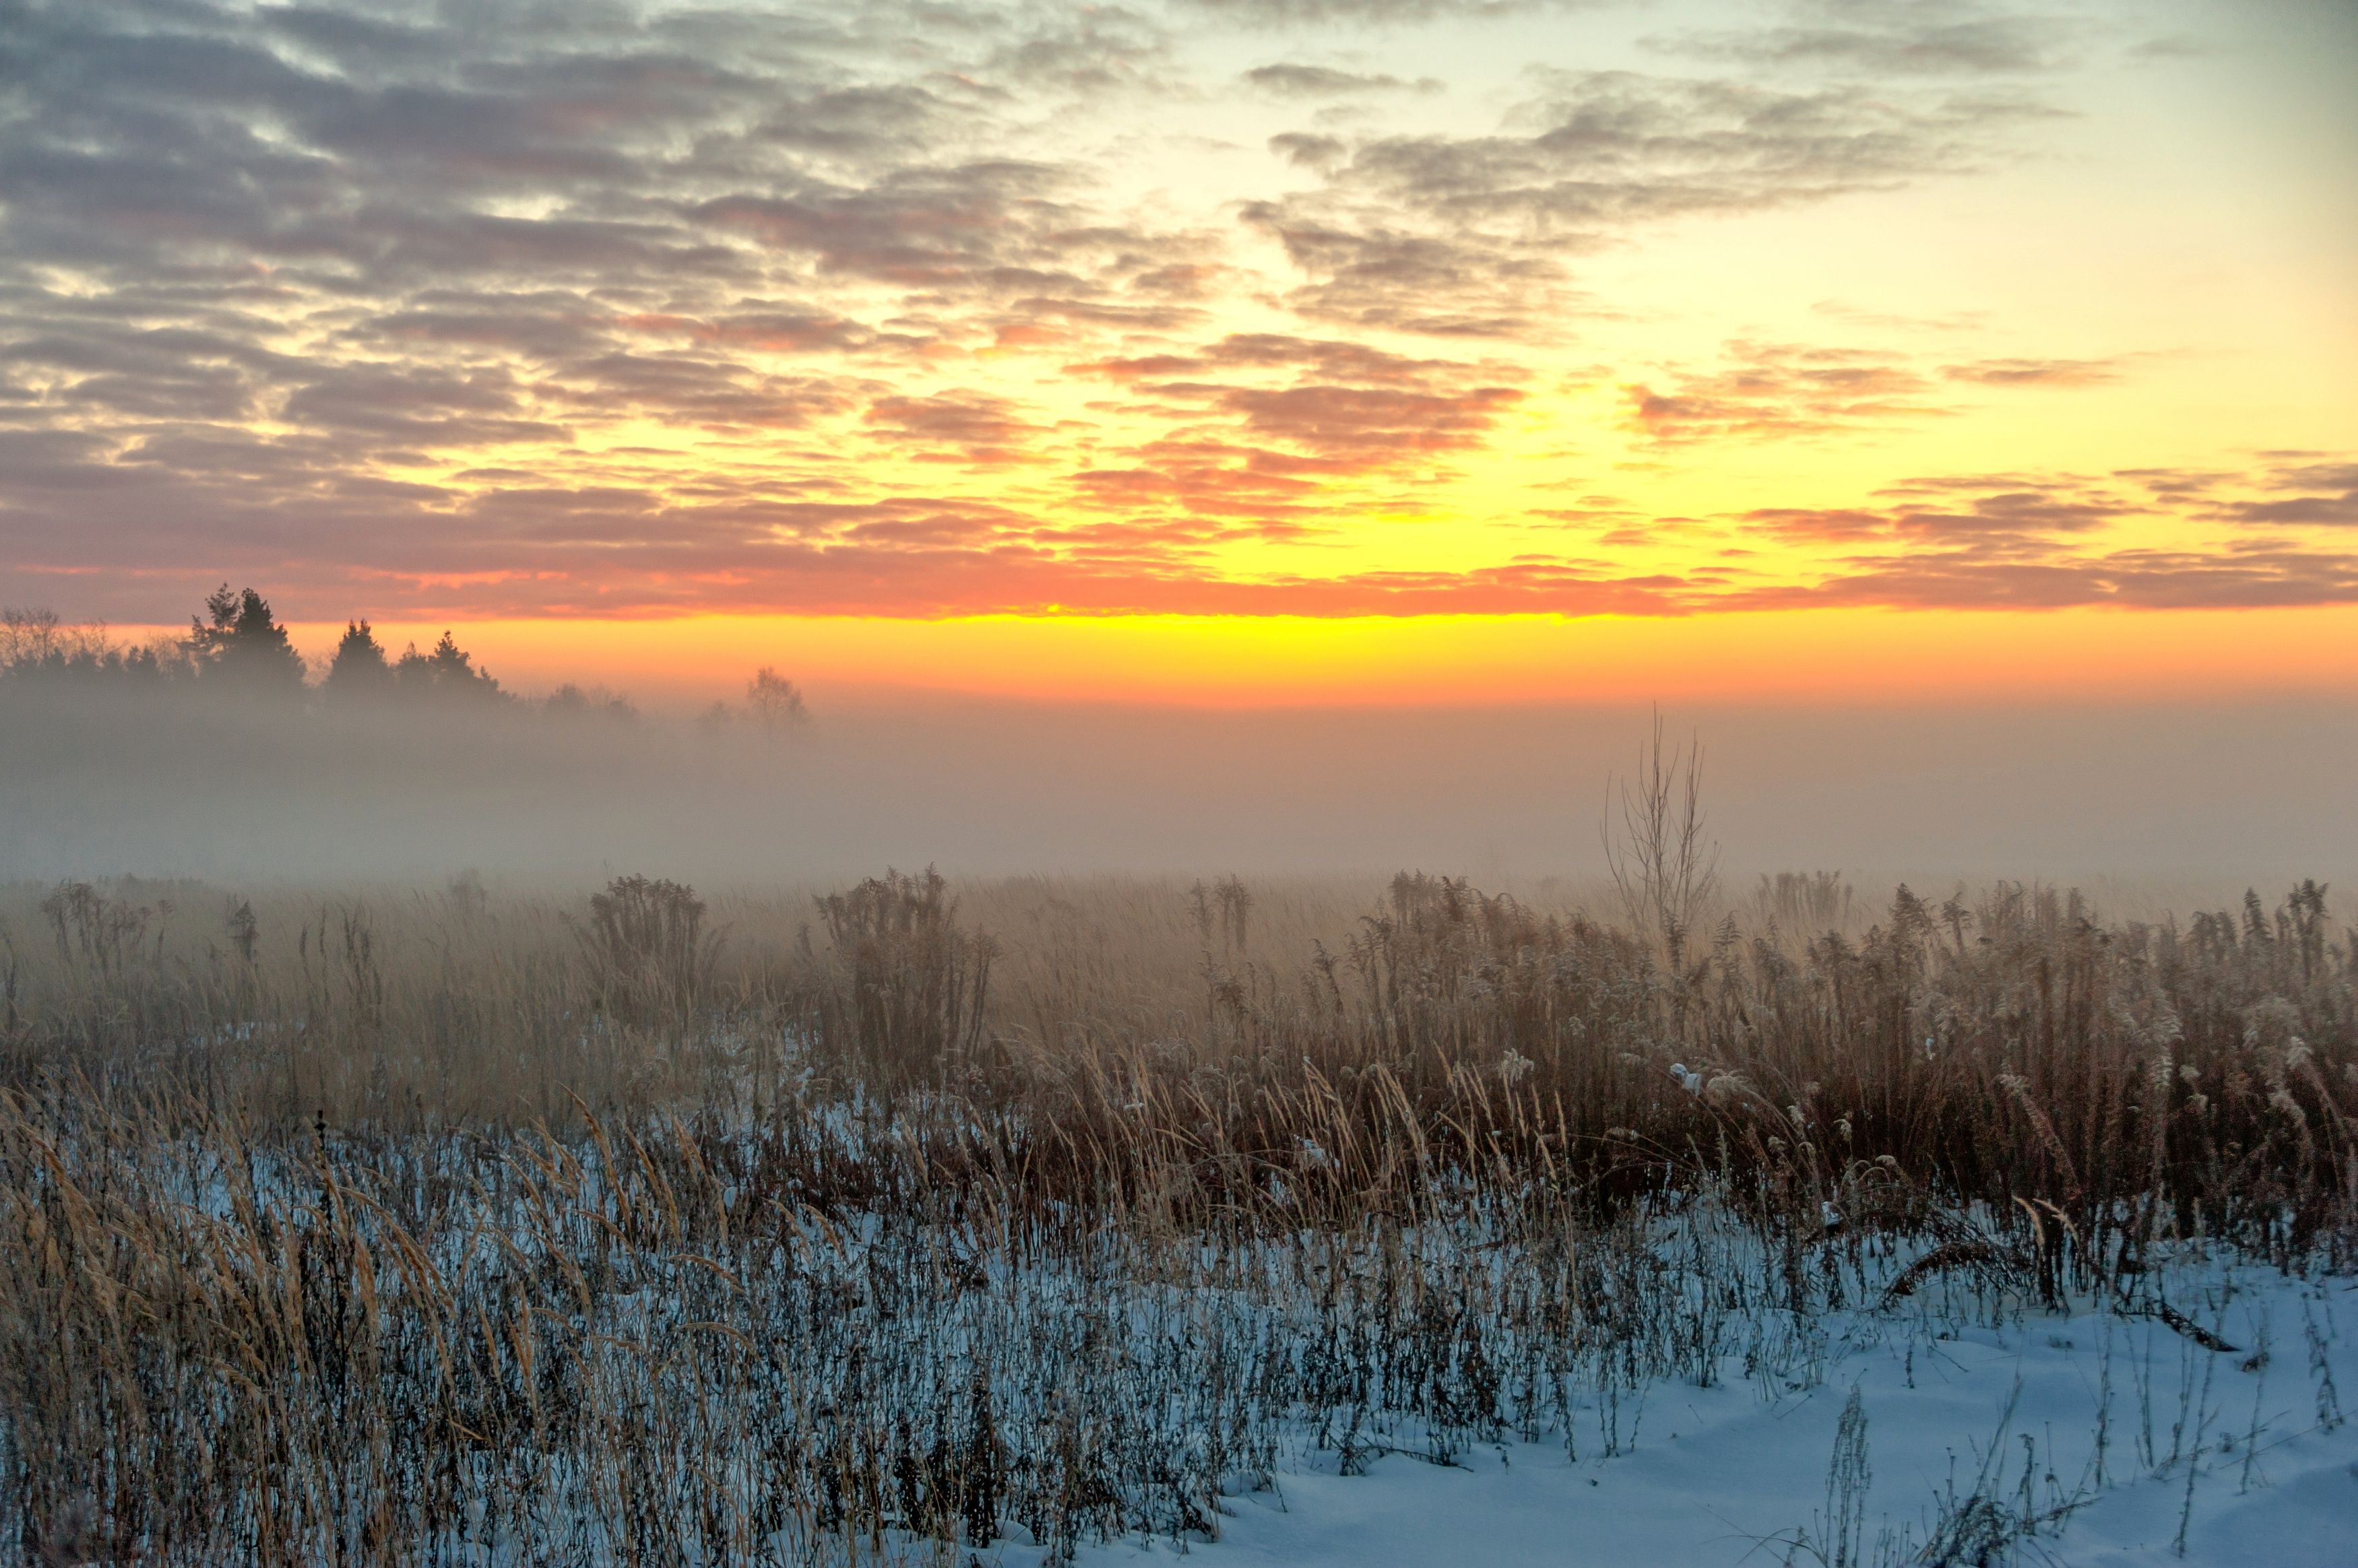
column 773, row 702
column 1665, row 866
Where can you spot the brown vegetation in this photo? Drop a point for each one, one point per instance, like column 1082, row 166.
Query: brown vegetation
column 395, row 1226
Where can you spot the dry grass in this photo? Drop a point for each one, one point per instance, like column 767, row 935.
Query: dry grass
column 652, row 1227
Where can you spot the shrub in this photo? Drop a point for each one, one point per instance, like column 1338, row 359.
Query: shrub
column 910, row 986
column 649, row 951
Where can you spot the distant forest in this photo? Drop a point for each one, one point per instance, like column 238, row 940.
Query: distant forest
column 237, row 647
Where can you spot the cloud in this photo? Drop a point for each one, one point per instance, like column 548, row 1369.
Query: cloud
column 2127, row 579
column 975, row 427
column 693, row 390
column 1392, row 279
column 1983, row 517
column 1779, row 390
column 2308, row 494
column 2011, row 527
column 761, row 329
column 1613, row 147
column 1088, row 50
column 864, row 123
column 988, row 224
column 1326, row 359
column 1289, row 81
column 2034, row 373
column 1900, row 44
column 1288, row 430
column 2027, row 541
column 1209, row 478
column 1336, row 419
column 540, row 324
column 1365, row 13
column 1469, row 235
column 56, row 460
column 418, row 409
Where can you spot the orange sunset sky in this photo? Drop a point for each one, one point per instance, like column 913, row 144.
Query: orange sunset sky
column 1210, row 351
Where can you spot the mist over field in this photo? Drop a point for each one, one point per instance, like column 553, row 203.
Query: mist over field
column 176, row 783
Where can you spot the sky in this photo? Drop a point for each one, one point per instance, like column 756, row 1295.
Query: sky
column 1212, row 350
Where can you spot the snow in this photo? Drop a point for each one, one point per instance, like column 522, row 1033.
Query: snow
column 1962, row 1414
column 2247, row 1449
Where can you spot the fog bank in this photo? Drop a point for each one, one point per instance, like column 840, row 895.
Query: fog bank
column 161, row 784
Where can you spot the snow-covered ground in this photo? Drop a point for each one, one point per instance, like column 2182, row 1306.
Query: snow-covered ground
column 1338, row 1389
column 2121, row 1440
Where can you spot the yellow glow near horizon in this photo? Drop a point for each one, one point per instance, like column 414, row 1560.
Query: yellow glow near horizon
column 1869, row 655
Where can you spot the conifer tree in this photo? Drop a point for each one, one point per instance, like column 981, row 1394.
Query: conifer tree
column 447, row 672
column 238, row 640
column 360, row 667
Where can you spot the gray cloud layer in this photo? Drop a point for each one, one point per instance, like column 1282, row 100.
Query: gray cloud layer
column 395, row 304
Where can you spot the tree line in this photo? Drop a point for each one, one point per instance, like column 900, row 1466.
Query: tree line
column 238, row 645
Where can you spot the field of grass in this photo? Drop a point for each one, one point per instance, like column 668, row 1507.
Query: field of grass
column 910, row 1222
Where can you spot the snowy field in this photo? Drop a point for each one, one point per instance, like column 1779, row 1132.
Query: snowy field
column 1996, row 1236
column 2087, row 1439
